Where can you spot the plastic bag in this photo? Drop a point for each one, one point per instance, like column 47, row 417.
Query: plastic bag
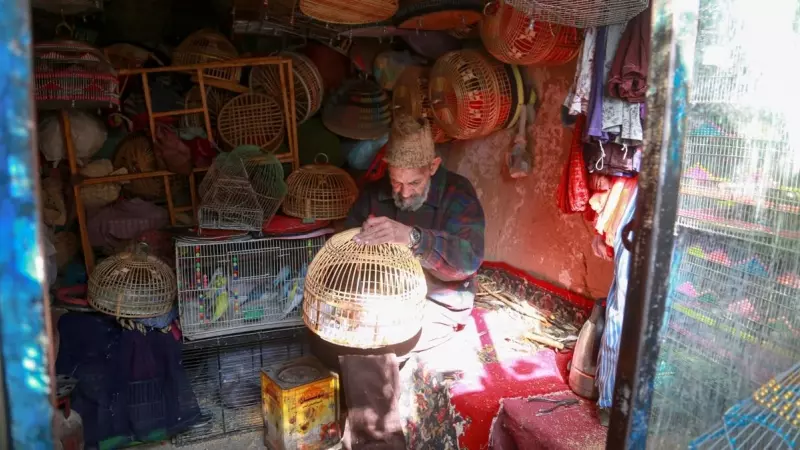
column 88, row 136
column 169, row 147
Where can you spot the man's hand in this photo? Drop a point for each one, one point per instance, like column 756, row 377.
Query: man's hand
column 382, row 230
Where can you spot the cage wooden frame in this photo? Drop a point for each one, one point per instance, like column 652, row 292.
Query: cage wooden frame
column 320, row 192
column 410, row 96
column 291, row 156
column 338, row 305
column 349, row 12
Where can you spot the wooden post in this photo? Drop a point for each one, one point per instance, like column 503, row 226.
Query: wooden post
column 80, row 210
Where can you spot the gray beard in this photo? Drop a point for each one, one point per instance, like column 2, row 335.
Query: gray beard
column 414, row 203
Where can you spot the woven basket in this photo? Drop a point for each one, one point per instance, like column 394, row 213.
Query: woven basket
column 359, row 110
column 252, row 119
column 308, row 87
column 438, row 14
column 466, row 94
column 349, row 12
column 319, row 192
column 54, row 208
column 508, row 35
column 68, row 7
column 135, row 153
column 96, row 196
column 215, row 100
column 581, row 13
column 364, row 296
column 71, row 74
column 410, row 96
column 132, row 285
column 206, row 46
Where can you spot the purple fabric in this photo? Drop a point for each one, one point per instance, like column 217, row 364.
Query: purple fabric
column 595, row 119
column 125, row 220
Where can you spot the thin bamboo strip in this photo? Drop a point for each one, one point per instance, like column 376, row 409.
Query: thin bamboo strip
column 86, row 246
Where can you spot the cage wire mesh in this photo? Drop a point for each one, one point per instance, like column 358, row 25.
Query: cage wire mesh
column 581, row 13
column 242, row 191
column 225, row 379
column 238, row 286
column 732, row 319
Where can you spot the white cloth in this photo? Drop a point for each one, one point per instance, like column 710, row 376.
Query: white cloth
column 577, row 100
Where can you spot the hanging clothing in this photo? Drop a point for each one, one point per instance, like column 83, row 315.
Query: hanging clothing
column 573, row 190
column 577, row 101
column 620, row 118
column 628, row 77
column 595, row 114
column 615, row 309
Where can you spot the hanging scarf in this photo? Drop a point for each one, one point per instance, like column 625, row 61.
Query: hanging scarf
column 573, row 191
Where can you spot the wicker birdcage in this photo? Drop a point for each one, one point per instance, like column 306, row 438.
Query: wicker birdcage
column 308, row 87
column 215, row 99
column 98, row 195
column 68, row 7
column 72, row 74
column 252, row 119
column 242, row 190
column 515, row 38
column 468, row 98
column 320, row 192
column 349, row 12
column 132, row 285
column 135, row 153
column 127, row 56
column 206, row 46
column 359, row 110
column 438, row 14
column 581, row 13
column 364, row 296
column 410, row 96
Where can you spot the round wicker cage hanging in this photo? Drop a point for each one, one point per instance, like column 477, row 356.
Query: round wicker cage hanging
column 72, row 74
column 252, row 119
column 132, row 285
column 320, row 192
column 206, row 46
column 467, row 98
column 68, row 7
column 513, row 37
column 581, row 13
column 308, row 86
column 410, row 96
column 364, row 296
column 349, row 12
column 438, row 14
column 359, row 110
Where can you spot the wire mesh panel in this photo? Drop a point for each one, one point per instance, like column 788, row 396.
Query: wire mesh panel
column 225, row 379
column 732, row 320
column 582, row 13
column 237, row 286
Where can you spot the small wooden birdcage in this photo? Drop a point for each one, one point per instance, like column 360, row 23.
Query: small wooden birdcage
column 359, row 110
column 215, row 99
column 72, row 74
column 320, row 192
column 581, row 13
column 364, row 296
column 132, row 285
column 516, row 38
column 466, row 95
column 206, row 46
column 438, row 14
column 308, row 87
column 410, row 96
column 252, row 119
column 242, row 190
column 349, row 12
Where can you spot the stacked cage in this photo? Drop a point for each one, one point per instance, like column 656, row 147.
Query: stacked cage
column 732, row 309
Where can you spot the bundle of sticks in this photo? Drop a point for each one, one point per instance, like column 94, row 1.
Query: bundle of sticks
column 543, row 328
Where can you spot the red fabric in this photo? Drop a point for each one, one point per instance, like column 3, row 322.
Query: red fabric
column 573, row 191
column 376, row 170
column 284, row 225
column 203, row 152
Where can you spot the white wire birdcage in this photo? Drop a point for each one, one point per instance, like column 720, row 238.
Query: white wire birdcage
column 581, row 13
column 242, row 191
column 234, row 286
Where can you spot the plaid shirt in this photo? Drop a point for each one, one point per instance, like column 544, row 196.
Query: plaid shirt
column 452, row 225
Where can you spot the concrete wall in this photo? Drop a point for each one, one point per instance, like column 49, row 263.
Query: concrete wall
column 524, row 225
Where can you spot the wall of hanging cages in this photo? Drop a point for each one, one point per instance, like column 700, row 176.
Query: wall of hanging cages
column 241, row 286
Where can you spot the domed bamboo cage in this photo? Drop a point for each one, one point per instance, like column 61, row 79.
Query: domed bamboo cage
column 133, row 285
column 205, row 46
column 581, row 13
column 515, row 38
column 308, row 87
column 216, row 98
column 410, row 96
column 349, row 12
column 438, row 14
column 135, row 153
column 364, row 296
column 252, row 119
column 359, row 110
column 320, row 191
column 512, row 94
column 469, row 95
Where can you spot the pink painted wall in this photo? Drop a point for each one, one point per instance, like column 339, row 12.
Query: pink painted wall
column 524, row 225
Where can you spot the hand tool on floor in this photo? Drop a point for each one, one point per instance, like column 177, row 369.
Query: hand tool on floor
column 557, row 403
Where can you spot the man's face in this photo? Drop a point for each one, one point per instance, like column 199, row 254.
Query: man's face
column 410, row 187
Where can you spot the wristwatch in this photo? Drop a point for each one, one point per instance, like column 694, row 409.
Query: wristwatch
column 414, row 236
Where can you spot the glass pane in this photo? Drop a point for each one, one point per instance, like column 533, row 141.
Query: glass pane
column 732, row 310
